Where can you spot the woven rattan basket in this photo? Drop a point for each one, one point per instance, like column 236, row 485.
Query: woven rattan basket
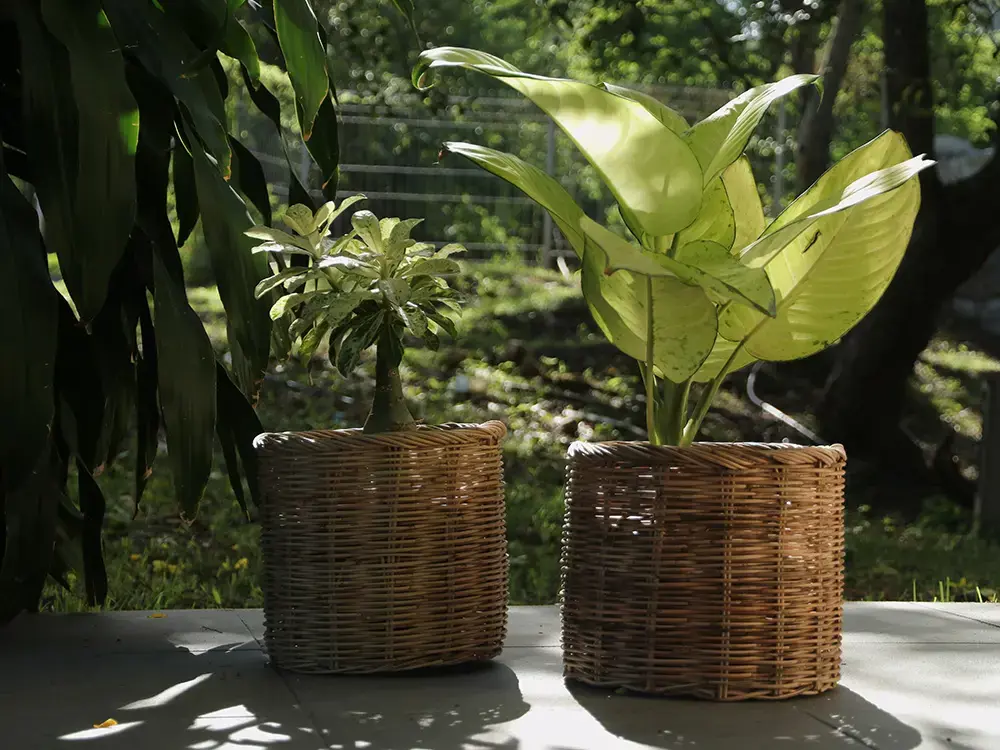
column 383, row 552
column 714, row 571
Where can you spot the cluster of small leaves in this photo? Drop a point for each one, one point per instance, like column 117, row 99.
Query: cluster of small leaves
column 354, row 288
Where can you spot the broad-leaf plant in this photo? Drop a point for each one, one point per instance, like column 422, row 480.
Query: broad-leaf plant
column 114, row 143
column 366, row 288
column 704, row 284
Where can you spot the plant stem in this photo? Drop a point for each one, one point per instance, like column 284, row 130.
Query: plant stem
column 650, row 377
column 707, row 397
column 673, row 245
column 389, row 412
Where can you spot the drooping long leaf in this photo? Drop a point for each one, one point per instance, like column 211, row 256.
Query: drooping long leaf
column 186, row 375
column 237, row 271
column 92, row 507
column 237, row 426
column 829, row 277
column 653, row 174
column 324, row 145
column 166, row 52
column 30, row 513
column 269, row 106
column 27, row 338
column 185, row 193
column 305, row 58
column 147, row 406
column 721, row 138
column 108, row 131
column 250, row 179
column 533, row 182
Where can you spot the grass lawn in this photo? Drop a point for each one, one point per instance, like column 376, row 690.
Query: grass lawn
column 530, row 356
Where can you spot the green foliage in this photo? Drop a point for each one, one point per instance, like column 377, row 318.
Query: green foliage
column 681, row 296
column 115, row 120
column 369, row 287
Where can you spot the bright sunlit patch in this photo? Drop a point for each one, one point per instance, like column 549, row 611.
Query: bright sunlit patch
column 240, row 727
column 100, row 733
column 164, row 697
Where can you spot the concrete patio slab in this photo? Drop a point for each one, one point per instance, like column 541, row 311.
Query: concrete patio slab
column 915, row 676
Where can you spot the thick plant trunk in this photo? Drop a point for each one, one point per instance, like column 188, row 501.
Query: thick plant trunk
column 956, row 231
column 389, row 412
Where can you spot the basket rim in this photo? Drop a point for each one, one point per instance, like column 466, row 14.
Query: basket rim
column 720, row 453
column 447, row 433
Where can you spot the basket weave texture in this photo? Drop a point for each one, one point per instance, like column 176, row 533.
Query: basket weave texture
column 713, row 571
column 383, row 552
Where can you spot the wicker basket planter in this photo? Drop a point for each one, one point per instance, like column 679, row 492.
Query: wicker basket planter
column 383, row 552
column 714, row 570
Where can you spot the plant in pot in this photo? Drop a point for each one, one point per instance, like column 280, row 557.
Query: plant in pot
column 713, row 570
column 384, row 547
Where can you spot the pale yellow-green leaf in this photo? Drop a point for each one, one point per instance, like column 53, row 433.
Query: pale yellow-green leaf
column 684, row 319
column 669, row 117
column 653, row 174
column 852, row 255
column 720, row 138
column 715, row 220
column 744, row 200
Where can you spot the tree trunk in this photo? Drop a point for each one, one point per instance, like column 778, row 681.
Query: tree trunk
column 816, row 130
column 389, row 412
column 956, row 230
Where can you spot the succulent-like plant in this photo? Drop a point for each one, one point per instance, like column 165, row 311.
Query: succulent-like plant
column 705, row 285
column 365, row 288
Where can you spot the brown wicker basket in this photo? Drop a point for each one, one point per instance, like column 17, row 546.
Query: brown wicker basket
column 383, row 552
column 714, row 571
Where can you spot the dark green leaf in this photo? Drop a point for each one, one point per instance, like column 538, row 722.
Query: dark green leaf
column 238, row 421
column 28, row 309
column 161, row 46
column 305, row 58
column 442, row 320
column 312, row 340
column 324, row 145
column 30, row 512
column 92, row 507
column 186, row 372
column 146, row 405
column 108, row 130
column 361, row 336
column 251, row 180
column 268, row 104
column 185, row 193
column 237, row 271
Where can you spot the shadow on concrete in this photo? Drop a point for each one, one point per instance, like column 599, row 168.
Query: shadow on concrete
column 167, row 696
column 840, row 718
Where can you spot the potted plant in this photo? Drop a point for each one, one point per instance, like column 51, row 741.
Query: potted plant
column 384, row 547
column 713, row 570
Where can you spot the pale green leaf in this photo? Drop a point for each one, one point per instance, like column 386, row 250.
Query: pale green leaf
column 273, row 282
column 396, row 291
column 720, row 138
column 278, row 237
column 684, row 318
column 744, row 200
column 723, row 276
column 368, row 229
column 653, row 174
column 449, row 249
column 533, row 182
column 288, row 302
column 431, row 267
column 671, row 118
column 715, row 221
column 828, row 278
column 300, row 218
